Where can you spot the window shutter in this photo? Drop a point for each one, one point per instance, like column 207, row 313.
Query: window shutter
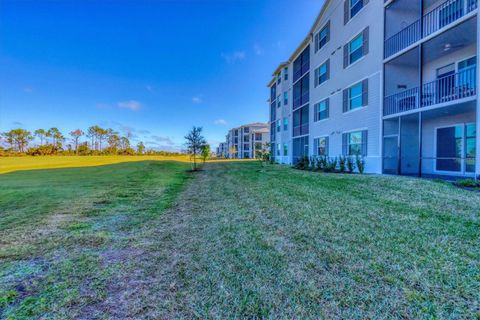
column 328, row 69
column 327, row 104
column 328, row 30
column 326, row 146
column 345, row 56
column 346, row 11
column 344, row 144
column 345, row 100
column 365, row 41
column 315, row 146
column 315, row 112
column 315, row 80
column 364, row 142
column 317, row 38
column 365, row 92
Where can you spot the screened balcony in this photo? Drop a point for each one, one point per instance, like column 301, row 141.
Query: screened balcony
column 446, row 72
column 404, row 25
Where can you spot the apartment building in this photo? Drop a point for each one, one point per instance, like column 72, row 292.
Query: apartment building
column 222, row 150
column 392, row 81
column 245, row 142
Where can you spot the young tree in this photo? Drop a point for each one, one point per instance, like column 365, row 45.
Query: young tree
column 18, row 138
column 205, row 153
column 113, row 143
column 194, row 144
column 92, row 134
column 140, row 148
column 57, row 137
column 76, row 134
column 41, row 133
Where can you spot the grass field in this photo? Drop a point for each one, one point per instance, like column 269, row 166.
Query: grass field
column 148, row 240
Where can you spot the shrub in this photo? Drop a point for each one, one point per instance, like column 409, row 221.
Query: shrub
column 331, row 165
column 341, row 164
column 303, row 163
column 469, row 183
column 360, row 164
column 322, row 163
column 350, row 165
column 313, row 163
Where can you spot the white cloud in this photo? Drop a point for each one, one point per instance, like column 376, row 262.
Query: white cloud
column 197, row 99
column 258, row 50
column 234, row 56
column 220, row 122
column 132, row 105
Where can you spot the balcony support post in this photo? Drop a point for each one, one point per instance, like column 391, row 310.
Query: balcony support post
column 477, row 101
column 420, row 133
column 399, row 152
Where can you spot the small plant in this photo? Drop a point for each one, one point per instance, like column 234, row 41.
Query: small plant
column 313, row 163
column 342, row 163
column 350, row 165
column 360, row 164
column 468, row 183
column 331, row 165
column 303, row 163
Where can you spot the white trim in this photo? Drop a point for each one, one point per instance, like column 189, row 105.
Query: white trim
column 355, row 130
column 356, row 109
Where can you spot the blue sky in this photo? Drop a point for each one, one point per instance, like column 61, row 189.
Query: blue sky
column 154, row 68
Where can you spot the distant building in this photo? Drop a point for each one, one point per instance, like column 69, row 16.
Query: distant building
column 245, row 142
column 222, row 150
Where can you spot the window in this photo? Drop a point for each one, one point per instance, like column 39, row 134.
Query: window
column 322, row 37
column 285, row 98
column 279, row 126
column 300, row 121
column 321, row 110
column 246, row 147
column 322, row 73
column 279, row 149
column 356, row 48
column 246, row 138
column 246, row 130
column 273, row 92
column 355, row 143
column 279, row 78
column 355, row 7
column 301, row 65
column 320, row 146
column 285, row 149
column 456, row 147
column 285, row 124
column 301, row 92
column 258, row 137
column 285, row 73
column 356, row 96
column 279, row 102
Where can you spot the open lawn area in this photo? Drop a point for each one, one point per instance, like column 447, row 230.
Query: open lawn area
column 146, row 239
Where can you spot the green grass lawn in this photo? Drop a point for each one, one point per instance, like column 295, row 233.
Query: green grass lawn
column 143, row 240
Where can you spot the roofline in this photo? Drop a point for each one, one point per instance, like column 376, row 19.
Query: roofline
column 304, row 43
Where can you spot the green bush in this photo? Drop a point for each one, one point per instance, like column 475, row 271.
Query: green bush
column 342, row 161
column 469, row 183
column 360, row 164
column 350, row 165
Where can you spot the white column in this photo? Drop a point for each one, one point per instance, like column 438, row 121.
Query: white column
column 477, row 156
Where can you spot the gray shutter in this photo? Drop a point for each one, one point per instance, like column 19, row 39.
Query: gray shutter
column 345, row 56
column 315, row 80
column 344, row 144
column 328, row 69
column 317, row 37
column 346, row 11
column 327, row 104
column 326, row 146
column 345, row 100
column 328, row 30
column 365, row 41
column 315, row 112
column 365, row 92
column 364, row 142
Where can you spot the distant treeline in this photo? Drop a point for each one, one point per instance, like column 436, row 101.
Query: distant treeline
column 96, row 141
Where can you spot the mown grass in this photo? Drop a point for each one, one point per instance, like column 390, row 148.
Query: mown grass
column 280, row 243
column 11, row 164
column 58, row 228
column 240, row 241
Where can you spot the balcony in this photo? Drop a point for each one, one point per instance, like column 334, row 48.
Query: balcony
column 441, row 16
column 450, row 88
